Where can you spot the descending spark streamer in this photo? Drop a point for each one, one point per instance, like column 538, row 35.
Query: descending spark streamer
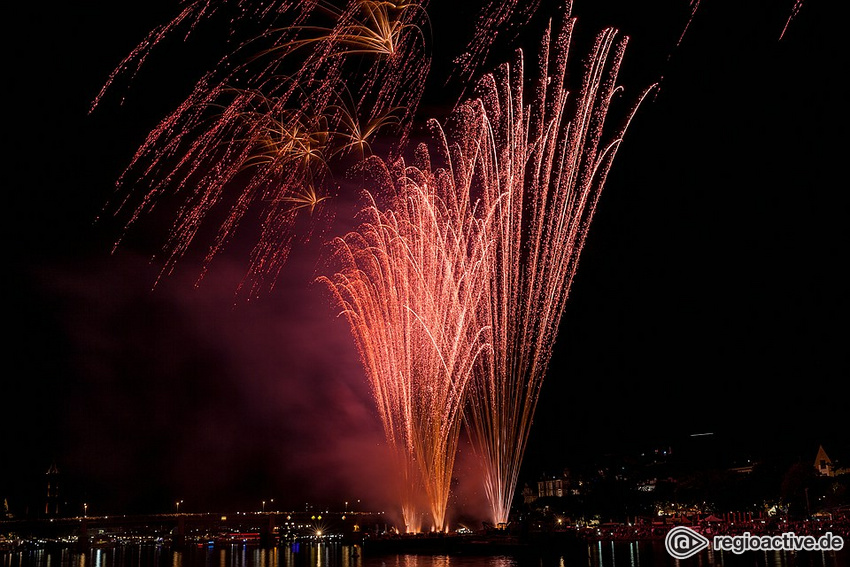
column 794, row 11
column 549, row 160
column 409, row 286
column 694, row 5
column 271, row 141
column 492, row 18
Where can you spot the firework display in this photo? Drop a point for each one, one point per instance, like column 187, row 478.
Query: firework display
column 531, row 172
column 310, row 90
column 454, row 286
column 410, row 282
column 550, row 157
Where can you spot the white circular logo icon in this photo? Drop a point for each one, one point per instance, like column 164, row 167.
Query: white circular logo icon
column 682, row 542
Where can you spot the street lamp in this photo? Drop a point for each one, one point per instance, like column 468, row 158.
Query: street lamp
column 85, row 510
column 178, row 503
column 264, row 505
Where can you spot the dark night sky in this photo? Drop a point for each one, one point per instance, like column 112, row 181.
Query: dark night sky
column 711, row 295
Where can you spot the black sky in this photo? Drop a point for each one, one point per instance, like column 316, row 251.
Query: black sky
column 711, row 296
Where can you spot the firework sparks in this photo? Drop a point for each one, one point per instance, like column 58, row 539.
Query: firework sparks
column 794, row 10
column 514, row 208
column 269, row 142
column 550, row 159
column 356, row 134
column 409, row 286
column 694, row 4
column 454, row 291
column 375, row 27
column 492, row 18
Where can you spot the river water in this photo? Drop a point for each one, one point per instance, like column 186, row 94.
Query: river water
column 600, row 554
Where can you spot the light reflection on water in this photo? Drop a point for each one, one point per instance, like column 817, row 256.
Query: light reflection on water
column 600, row 554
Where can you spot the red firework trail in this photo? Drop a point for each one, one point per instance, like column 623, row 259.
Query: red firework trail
column 493, row 17
column 543, row 166
column 409, row 284
column 311, row 90
column 794, row 10
column 550, row 157
column 694, row 4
